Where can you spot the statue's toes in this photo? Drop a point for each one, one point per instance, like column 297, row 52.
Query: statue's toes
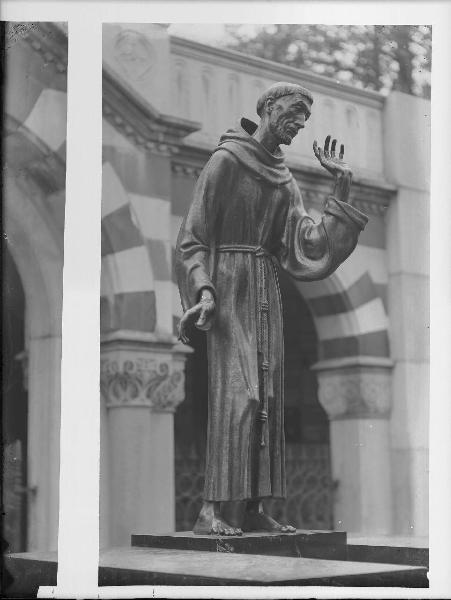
column 215, row 530
column 229, row 531
column 238, row 531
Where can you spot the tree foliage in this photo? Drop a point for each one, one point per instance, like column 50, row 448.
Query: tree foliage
column 375, row 57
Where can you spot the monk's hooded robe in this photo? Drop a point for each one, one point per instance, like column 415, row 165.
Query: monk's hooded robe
column 247, row 217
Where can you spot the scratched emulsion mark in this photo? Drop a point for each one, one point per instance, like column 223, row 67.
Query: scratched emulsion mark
column 297, row 549
column 16, row 31
column 223, row 546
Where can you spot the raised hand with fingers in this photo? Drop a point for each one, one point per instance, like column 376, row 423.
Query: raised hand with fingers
column 201, row 315
column 336, row 166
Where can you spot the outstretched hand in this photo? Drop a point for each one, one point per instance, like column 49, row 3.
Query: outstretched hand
column 330, row 161
column 201, row 315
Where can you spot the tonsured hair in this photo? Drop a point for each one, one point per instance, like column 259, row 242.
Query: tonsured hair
column 282, row 88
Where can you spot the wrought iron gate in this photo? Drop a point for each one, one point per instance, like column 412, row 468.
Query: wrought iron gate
column 309, row 488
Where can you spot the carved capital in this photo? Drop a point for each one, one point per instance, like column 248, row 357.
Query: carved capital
column 359, row 392
column 146, row 379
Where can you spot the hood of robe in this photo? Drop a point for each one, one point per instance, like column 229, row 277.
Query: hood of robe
column 253, row 155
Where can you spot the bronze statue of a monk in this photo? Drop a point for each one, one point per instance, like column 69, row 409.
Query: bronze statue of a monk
column 246, row 220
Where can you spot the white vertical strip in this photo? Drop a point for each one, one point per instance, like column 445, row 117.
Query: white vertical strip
column 78, row 541
column 440, row 294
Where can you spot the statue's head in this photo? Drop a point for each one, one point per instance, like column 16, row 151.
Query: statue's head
column 284, row 108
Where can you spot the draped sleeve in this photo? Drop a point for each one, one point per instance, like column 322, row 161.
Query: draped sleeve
column 196, row 239
column 311, row 250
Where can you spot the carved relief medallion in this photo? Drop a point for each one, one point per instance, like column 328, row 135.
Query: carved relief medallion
column 134, row 54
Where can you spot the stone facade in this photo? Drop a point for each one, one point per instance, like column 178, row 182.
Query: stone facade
column 208, row 89
column 370, row 317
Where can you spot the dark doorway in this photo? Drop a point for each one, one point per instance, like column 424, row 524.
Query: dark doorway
column 14, row 407
column 190, row 433
column 309, row 491
column 307, row 463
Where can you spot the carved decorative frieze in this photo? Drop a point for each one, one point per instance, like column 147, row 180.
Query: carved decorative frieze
column 140, row 122
column 188, row 170
column 221, row 59
column 50, row 42
column 355, row 393
column 137, row 136
column 153, row 381
column 370, row 207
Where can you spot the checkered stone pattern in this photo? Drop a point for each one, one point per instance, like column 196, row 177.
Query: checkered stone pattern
column 351, row 316
column 36, row 99
column 136, row 288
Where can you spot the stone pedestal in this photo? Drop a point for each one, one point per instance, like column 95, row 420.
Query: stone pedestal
column 309, row 544
column 142, row 383
column 356, row 394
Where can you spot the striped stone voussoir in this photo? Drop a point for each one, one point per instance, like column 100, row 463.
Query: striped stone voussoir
column 136, row 262
column 36, row 105
column 349, row 308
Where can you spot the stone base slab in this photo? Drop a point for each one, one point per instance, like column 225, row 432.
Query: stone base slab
column 303, row 543
column 153, row 566
column 400, row 550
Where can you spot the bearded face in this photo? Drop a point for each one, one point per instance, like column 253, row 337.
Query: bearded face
column 279, row 126
column 286, row 118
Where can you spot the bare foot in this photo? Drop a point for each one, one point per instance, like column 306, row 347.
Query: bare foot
column 210, row 522
column 259, row 521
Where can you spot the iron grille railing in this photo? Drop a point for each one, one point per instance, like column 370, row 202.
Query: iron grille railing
column 309, row 503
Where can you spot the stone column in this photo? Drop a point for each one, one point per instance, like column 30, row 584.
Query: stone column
column 356, row 394
column 44, row 394
column 142, row 382
column 408, row 304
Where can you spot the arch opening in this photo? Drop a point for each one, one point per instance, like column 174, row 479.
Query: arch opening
column 14, row 406
column 38, row 256
column 307, row 463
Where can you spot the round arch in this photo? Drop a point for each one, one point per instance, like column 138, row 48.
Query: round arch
column 38, row 254
column 128, row 291
column 349, row 312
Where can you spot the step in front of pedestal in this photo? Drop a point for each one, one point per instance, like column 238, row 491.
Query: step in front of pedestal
column 400, row 550
column 151, row 566
column 146, row 566
column 303, row 543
